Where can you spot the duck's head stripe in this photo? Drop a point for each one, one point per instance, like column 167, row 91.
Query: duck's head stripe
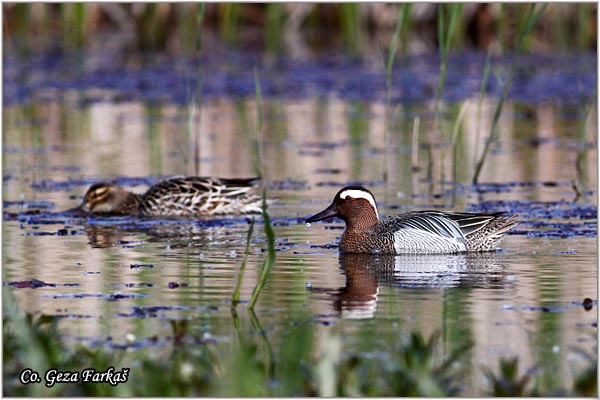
column 360, row 194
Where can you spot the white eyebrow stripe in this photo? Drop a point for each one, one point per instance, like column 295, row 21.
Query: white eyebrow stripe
column 360, row 194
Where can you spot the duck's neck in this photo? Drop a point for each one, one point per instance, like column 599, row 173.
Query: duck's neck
column 131, row 203
column 362, row 223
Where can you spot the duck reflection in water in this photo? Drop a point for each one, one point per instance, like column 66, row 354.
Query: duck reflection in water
column 176, row 233
column 366, row 272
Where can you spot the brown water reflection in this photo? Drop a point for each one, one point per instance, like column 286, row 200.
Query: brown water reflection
column 521, row 301
column 365, row 273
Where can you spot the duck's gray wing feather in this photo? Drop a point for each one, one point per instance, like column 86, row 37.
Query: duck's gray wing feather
column 431, row 222
column 469, row 223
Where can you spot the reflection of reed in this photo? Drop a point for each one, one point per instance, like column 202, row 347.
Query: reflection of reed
column 365, row 272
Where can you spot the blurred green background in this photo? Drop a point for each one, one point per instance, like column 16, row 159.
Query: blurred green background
column 292, row 27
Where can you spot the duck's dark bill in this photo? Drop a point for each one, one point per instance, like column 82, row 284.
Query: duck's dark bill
column 77, row 211
column 329, row 212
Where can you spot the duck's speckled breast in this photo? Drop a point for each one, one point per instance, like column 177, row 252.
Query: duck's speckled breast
column 371, row 242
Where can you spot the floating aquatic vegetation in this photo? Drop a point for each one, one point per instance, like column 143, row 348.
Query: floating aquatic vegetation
column 288, row 184
column 35, row 283
column 30, row 204
column 109, row 297
column 130, row 285
column 157, row 311
column 341, row 184
column 136, row 266
column 542, row 210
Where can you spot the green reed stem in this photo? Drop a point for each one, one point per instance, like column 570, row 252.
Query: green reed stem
column 388, row 85
column 199, row 22
column 482, row 92
column 445, row 34
column 79, row 14
column 258, row 146
column 274, row 26
column 485, row 78
column 230, row 20
column 414, row 147
column 236, row 294
column 270, row 358
column 530, row 22
column 350, row 24
column 196, row 124
column 73, row 24
column 456, row 131
column 270, row 260
column 199, row 87
column 586, row 32
column 184, row 144
column 259, row 166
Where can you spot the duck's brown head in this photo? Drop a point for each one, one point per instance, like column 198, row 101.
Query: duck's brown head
column 107, row 198
column 353, row 204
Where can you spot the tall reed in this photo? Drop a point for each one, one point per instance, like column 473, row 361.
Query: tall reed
column 531, row 20
column 447, row 22
column 236, row 294
column 259, row 141
column 259, row 167
column 389, row 67
column 269, row 358
column 199, row 83
column 270, row 260
column 445, row 35
column 275, row 13
column 350, row 25
column 482, row 92
column 73, row 24
column 229, row 24
column 456, row 131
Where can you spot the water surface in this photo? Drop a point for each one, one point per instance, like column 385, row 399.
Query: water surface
column 119, row 282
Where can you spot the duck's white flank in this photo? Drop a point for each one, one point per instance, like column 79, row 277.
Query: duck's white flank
column 360, row 194
column 417, row 241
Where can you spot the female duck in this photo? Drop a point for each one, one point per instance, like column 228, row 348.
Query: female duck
column 179, row 196
column 416, row 232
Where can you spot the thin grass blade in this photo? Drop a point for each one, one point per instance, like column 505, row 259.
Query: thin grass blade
column 236, row 294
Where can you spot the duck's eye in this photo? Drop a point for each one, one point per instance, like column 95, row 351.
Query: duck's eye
column 348, row 197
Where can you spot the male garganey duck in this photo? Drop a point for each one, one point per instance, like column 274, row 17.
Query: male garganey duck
column 426, row 232
column 179, row 196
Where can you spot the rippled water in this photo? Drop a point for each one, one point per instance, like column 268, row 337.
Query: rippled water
column 118, row 282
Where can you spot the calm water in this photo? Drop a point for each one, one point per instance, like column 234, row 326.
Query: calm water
column 120, row 281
